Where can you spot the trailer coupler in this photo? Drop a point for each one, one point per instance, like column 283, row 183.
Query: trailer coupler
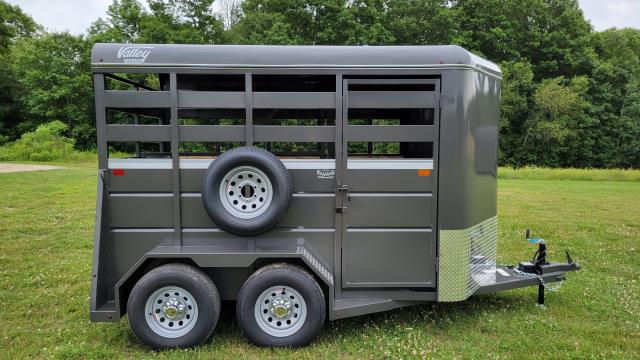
column 539, row 265
column 542, row 267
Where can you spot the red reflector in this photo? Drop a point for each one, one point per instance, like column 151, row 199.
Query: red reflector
column 117, row 172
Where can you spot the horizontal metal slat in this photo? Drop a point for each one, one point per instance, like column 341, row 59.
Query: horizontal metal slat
column 391, row 133
column 410, row 250
column 391, row 99
column 137, row 99
column 294, row 100
column 400, row 210
column 266, row 133
column 392, row 81
column 154, row 210
column 140, row 133
column 211, row 99
column 212, row 133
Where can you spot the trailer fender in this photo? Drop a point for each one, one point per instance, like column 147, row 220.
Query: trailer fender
column 214, row 256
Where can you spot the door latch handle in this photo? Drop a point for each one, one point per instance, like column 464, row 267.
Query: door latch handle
column 344, row 188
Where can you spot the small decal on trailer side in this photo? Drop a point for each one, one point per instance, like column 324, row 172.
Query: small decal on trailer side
column 134, row 54
column 326, row 173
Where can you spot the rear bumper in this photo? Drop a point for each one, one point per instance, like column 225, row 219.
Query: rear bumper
column 105, row 313
column 507, row 277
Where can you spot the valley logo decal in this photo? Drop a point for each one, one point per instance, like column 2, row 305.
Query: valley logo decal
column 134, row 54
column 326, row 174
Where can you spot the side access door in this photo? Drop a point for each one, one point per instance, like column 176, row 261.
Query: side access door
column 388, row 179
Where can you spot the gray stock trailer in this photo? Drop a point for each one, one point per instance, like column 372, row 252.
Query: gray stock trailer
column 303, row 182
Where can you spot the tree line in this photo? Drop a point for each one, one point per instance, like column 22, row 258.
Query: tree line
column 570, row 95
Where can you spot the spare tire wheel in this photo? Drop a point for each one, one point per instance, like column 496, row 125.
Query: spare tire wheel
column 246, row 191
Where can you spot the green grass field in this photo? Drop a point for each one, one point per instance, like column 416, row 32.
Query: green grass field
column 46, row 229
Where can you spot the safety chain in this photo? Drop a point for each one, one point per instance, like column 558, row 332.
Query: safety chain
column 553, row 288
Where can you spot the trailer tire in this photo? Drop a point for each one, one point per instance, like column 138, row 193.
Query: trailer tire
column 281, row 305
column 246, row 191
column 174, row 306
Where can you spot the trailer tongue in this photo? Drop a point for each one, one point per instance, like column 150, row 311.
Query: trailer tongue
column 536, row 272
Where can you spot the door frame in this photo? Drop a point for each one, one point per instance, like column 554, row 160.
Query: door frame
column 341, row 164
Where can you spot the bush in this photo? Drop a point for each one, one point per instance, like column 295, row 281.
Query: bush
column 46, row 143
column 541, row 173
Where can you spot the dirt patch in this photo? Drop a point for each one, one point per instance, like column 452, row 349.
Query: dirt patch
column 10, row 167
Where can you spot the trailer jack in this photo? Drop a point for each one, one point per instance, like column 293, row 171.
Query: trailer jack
column 539, row 265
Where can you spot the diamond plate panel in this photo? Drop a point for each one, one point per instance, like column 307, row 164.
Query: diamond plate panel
column 467, row 260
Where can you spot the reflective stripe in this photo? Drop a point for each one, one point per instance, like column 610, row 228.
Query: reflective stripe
column 310, row 164
column 292, row 164
column 145, row 164
column 390, row 164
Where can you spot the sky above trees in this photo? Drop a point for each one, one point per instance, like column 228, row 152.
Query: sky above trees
column 570, row 95
column 77, row 15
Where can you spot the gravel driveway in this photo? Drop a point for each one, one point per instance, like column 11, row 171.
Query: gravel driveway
column 12, row 167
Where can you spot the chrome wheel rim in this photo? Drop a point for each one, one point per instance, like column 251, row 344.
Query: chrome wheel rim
column 246, row 192
column 280, row 311
column 171, row 312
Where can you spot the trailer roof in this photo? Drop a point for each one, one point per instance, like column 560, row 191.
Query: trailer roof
column 278, row 56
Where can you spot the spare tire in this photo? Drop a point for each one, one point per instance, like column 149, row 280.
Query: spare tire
column 246, row 191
